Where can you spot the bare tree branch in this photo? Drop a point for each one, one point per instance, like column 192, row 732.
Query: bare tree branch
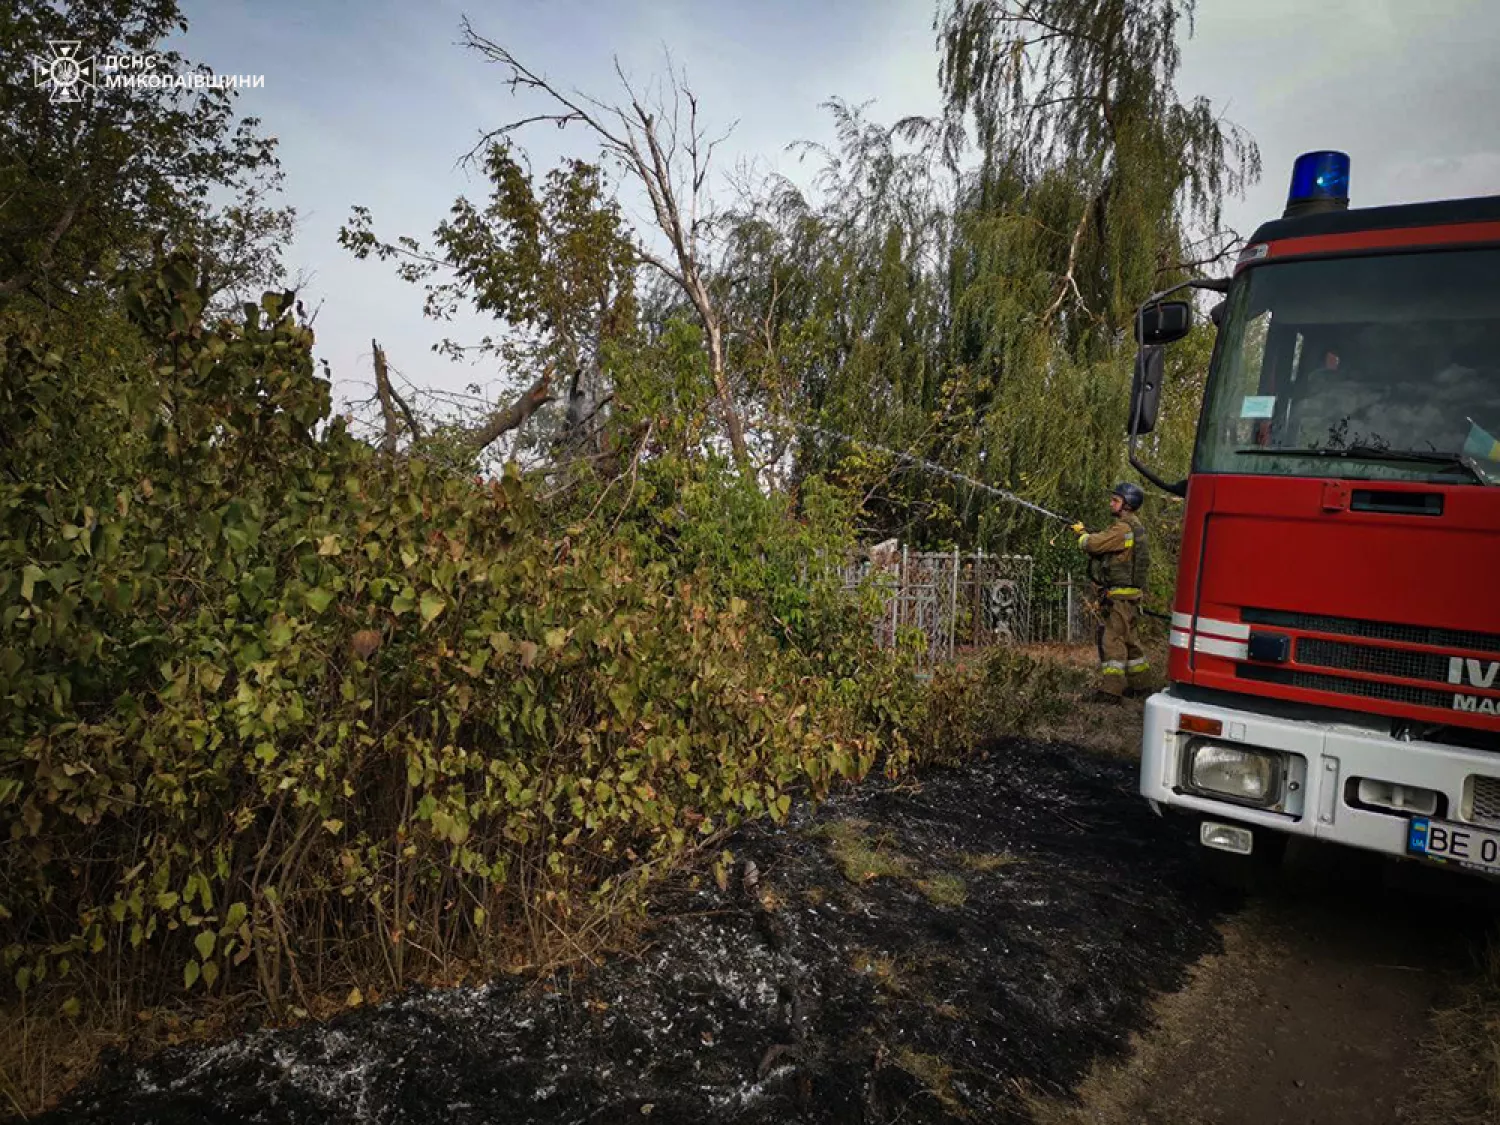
column 1070, row 282
column 648, row 144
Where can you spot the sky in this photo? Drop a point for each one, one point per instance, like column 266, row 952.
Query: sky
column 374, row 103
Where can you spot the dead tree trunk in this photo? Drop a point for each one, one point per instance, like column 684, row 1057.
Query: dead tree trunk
column 390, row 403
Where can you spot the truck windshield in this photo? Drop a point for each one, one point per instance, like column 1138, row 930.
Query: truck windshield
column 1375, row 367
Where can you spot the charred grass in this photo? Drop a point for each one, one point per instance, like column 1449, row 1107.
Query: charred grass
column 935, row 951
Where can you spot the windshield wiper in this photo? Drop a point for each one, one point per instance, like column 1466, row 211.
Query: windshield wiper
column 1374, row 453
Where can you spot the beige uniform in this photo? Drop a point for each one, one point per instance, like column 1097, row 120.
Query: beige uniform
column 1119, row 560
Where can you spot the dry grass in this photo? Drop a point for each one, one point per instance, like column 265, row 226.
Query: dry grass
column 943, row 889
column 985, row 863
column 1110, row 729
column 883, row 969
column 860, row 858
column 1459, row 1083
column 933, row 1073
column 1084, row 658
column 45, row 1054
column 41, row 1058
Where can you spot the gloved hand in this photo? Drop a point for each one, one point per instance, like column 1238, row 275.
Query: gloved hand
column 1077, row 529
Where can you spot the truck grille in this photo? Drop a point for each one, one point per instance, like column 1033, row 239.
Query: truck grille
column 1486, row 806
column 1376, row 661
column 1318, row 681
column 1375, row 630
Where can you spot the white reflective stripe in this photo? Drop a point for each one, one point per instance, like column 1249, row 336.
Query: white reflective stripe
column 1213, row 646
column 1114, row 665
column 1177, row 638
column 1223, row 628
column 1182, row 620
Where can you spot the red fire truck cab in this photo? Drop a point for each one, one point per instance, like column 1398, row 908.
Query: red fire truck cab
column 1335, row 636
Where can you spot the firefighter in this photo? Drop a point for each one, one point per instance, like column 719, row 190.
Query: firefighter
column 1119, row 558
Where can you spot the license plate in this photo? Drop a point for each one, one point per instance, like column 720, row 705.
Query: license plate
column 1447, row 842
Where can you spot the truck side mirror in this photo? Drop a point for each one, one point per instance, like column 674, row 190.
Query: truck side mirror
column 1163, row 323
column 1145, row 390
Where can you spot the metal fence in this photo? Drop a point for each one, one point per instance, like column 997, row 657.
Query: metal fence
column 959, row 602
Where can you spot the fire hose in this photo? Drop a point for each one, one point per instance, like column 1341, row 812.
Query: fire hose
column 962, row 478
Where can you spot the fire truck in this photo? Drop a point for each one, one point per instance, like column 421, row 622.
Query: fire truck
column 1334, row 668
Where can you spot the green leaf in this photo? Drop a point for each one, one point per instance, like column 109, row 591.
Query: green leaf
column 190, row 974
column 234, row 916
column 432, row 605
column 210, row 973
column 30, row 576
column 319, row 600
column 204, row 944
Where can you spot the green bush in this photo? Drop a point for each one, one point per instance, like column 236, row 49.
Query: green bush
column 969, row 706
column 282, row 713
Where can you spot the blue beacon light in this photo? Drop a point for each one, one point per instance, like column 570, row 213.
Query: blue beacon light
column 1320, row 182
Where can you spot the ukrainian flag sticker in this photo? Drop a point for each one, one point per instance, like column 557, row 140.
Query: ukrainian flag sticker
column 1482, row 443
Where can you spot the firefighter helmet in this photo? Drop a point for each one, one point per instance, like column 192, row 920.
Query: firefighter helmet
column 1130, row 495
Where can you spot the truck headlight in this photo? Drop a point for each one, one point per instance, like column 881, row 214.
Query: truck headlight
column 1251, row 777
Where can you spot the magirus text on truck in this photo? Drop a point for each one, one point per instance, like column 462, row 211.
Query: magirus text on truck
column 1336, row 625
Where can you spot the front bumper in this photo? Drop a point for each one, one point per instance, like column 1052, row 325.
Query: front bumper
column 1326, row 762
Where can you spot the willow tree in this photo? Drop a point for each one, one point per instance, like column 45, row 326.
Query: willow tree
column 836, row 305
column 1095, row 183
column 1084, row 91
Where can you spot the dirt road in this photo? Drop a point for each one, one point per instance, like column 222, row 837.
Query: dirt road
column 1319, row 1010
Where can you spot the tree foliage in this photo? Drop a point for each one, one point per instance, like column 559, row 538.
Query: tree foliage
column 95, row 183
column 1078, row 97
column 553, row 266
column 287, row 694
column 962, row 289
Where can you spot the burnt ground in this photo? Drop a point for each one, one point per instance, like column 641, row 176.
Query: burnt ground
column 956, row 949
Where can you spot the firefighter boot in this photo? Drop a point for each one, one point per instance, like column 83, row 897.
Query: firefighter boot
column 1138, row 680
column 1111, row 687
